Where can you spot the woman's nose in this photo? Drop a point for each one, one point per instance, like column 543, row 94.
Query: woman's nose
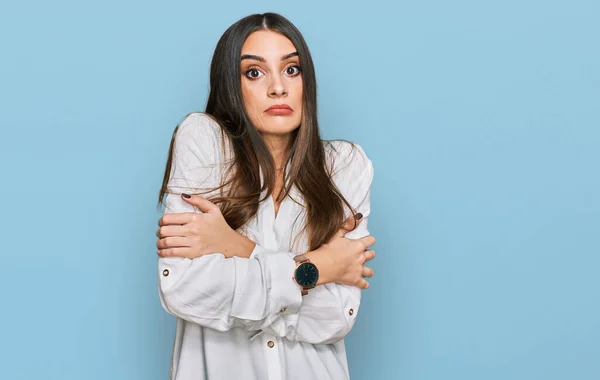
column 277, row 87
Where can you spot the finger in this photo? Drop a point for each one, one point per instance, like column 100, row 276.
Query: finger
column 369, row 255
column 339, row 234
column 363, row 284
column 179, row 218
column 368, row 272
column 367, row 241
column 172, row 242
column 351, row 222
column 202, row 203
column 346, row 227
column 172, row 230
column 174, row 252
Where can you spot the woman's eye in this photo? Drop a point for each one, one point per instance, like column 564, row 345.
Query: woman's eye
column 293, row 70
column 253, row 73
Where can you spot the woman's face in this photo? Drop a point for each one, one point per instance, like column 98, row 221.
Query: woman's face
column 271, row 76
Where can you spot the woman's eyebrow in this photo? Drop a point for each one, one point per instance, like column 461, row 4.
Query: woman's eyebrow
column 261, row 59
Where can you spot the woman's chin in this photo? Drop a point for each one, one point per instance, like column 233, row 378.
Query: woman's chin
column 282, row 128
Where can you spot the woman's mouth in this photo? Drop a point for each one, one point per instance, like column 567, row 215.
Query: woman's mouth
column 279, row 109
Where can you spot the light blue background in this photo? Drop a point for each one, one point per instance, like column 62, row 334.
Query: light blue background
column 481, row 118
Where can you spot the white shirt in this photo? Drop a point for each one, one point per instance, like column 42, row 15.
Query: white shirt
column 245, row 318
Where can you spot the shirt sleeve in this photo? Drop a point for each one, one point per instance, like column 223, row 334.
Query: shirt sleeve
column 212, row 290
column 328, row 312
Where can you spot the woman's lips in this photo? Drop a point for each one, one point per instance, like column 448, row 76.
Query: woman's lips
column 279, row 111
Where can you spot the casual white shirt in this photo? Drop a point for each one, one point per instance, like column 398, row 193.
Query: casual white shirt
column 245, row 318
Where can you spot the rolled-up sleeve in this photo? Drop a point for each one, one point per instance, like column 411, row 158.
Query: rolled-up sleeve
column 222, row 293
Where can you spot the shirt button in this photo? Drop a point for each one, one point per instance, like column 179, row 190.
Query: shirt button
column 283, row 309
column 271, row 344
column 165, row 272
column 351, row 311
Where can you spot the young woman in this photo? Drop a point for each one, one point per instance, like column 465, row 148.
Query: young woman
column 264, row 264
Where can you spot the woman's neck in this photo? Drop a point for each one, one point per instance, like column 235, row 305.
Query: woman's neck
column 278, row 147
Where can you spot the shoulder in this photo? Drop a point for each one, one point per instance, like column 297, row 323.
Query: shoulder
column 347, row 160
column 199, row 133
column 199, row 125
column 196, row 164
column 351, row 171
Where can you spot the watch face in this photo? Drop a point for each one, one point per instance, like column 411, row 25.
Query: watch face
column 307, row 275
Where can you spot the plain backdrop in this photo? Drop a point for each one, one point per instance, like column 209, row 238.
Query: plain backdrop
column 481, row 119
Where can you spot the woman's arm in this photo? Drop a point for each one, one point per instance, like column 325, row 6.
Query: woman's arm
column 328, row 312
column 222, row 293
column 256, row 293
column 214, row 291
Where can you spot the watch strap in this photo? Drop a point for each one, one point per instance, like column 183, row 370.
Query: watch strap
column 299, row 259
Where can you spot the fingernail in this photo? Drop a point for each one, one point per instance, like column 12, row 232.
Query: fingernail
column 186, row 195
column 358, row 216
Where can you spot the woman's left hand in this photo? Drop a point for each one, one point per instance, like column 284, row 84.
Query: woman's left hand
column 192, row 234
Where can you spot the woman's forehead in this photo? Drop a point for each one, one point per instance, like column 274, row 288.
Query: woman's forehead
column 268, row 44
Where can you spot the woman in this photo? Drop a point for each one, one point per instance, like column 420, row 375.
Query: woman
column 264, row 265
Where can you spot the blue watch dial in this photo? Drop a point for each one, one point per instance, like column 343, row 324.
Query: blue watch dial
column 307, row 274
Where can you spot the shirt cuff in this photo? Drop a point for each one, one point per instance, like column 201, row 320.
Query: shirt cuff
column 285, row 294
column 171, row 271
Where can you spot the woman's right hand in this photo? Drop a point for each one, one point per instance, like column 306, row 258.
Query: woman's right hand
column 342, row 260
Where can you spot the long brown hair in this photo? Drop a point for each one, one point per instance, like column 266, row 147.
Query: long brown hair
column 306, row 166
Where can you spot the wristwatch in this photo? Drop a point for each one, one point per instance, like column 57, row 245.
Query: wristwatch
column 306, row 274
